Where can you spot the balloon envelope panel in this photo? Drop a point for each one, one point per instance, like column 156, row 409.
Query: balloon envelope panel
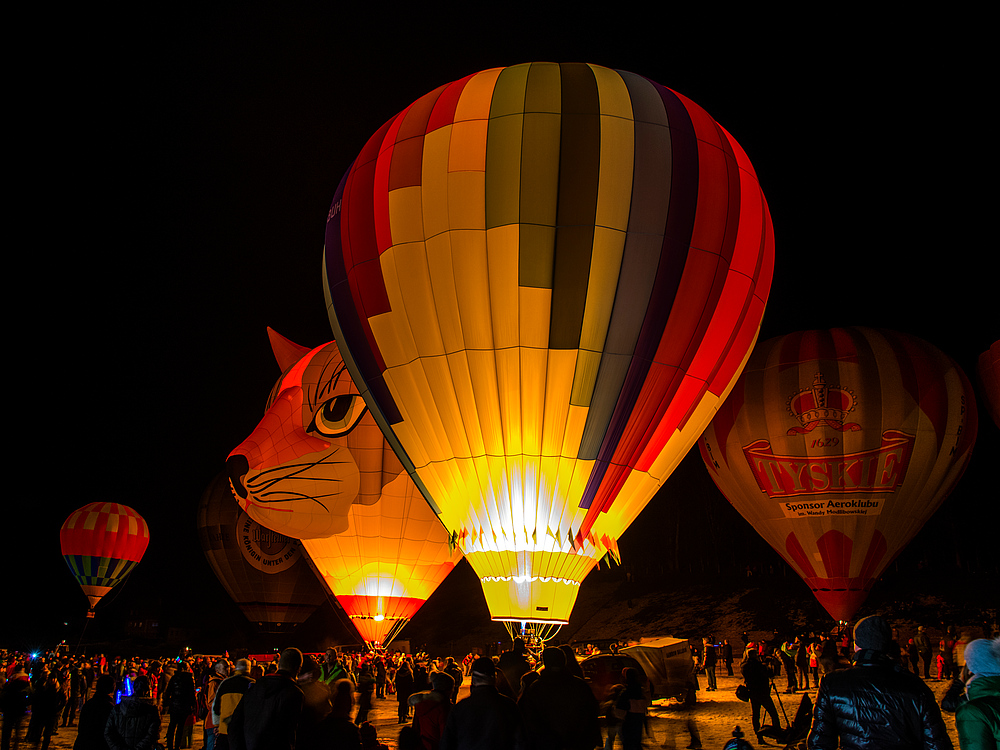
column 544, row 279
column 389, row 551
column 102, row 543
column 391, row 558
column 264, row 572
column 988, row 369
column 837, row 446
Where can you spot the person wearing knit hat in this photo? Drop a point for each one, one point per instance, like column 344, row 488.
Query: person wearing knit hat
column 737, row 742
column 875, row 705
column 978, row 721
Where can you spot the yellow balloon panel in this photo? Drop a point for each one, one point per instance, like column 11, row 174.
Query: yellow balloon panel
column 544, row 279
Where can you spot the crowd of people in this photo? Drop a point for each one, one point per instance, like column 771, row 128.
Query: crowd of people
column 870, row 697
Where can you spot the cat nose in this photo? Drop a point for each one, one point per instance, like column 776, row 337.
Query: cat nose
column 238, row 466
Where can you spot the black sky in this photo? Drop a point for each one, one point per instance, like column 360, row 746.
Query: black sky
column 173, row 179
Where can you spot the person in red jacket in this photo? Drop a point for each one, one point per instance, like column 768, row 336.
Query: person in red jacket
column 431, row 708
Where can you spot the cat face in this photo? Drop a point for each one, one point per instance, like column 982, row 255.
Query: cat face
column 316, row 451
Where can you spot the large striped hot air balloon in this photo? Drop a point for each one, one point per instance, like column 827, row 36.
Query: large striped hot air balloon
column 837, row 446
column 392, row 552
column 102, row 543
column 266, row 573
column 544, row 279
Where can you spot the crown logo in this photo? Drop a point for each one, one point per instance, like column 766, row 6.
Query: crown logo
column 822, row 405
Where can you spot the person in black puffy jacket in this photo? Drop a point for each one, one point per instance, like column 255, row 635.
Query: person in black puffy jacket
column 134, row 724
column 875, row 705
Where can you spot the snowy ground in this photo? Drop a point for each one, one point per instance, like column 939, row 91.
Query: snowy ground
column 713, row 719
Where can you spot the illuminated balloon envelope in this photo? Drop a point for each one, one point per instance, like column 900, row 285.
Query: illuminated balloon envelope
column 837, row 446
column 544, row 279
column 315, row 452
column 392, row 552
column 389, row 561
column 264, row 572
column 988, row 370
column 101, row 543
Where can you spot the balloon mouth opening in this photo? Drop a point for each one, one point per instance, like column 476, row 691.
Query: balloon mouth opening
column 534, row 620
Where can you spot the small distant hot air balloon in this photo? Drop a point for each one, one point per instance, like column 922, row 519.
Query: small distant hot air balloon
column 265, row 573
column 837, row 446
column 390, row 552
column 988, row 370
column 102, row 543
column 544, row 279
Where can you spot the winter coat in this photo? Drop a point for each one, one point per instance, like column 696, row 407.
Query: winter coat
column 93, row 720
column 180, row 697
column 211, row 688
column 15, row 695
column 134, row 724
column 757, row 676
column 560, row 711
column 268, row 715
column 229, row 694
column 486, row 720
column 978, row 721
column 404, row 683
column 876, row 705
column 429, row 717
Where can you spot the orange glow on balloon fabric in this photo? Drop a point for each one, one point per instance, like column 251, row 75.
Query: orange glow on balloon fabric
column 545, row 279
column 376, row 544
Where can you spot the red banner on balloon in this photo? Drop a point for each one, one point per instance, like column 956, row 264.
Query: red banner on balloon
column 880, row 469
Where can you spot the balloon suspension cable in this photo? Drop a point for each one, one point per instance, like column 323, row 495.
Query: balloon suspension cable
column 90, row 616
column 394, row 631
column 541, row 632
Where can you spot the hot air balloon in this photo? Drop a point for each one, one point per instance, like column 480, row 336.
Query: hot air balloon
column 988, row 369
column 545, row 279
column 837, row 446
column 101, row 543
column 266, row 573
column 314, row 453
column 392, row 552
column 389, row 561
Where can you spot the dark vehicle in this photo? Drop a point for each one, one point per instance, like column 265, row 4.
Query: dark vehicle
column 603, row 671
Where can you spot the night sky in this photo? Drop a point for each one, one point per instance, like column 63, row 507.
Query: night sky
column 175, row 180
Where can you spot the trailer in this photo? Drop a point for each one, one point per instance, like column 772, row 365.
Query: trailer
column 668, row 666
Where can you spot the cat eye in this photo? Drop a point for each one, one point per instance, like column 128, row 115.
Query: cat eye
column 339, row 415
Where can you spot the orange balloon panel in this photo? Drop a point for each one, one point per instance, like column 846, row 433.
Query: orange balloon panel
column 545, row 278
column 325, row 467
column 837, row 446
column 388, row 562
column 988, row 369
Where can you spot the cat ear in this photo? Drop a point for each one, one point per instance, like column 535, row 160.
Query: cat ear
column 287, row 352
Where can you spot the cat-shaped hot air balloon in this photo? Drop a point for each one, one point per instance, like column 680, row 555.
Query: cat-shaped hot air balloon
column 318, row 468
column 316, row 452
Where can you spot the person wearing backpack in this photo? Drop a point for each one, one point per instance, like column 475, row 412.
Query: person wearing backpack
column 180, row 700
